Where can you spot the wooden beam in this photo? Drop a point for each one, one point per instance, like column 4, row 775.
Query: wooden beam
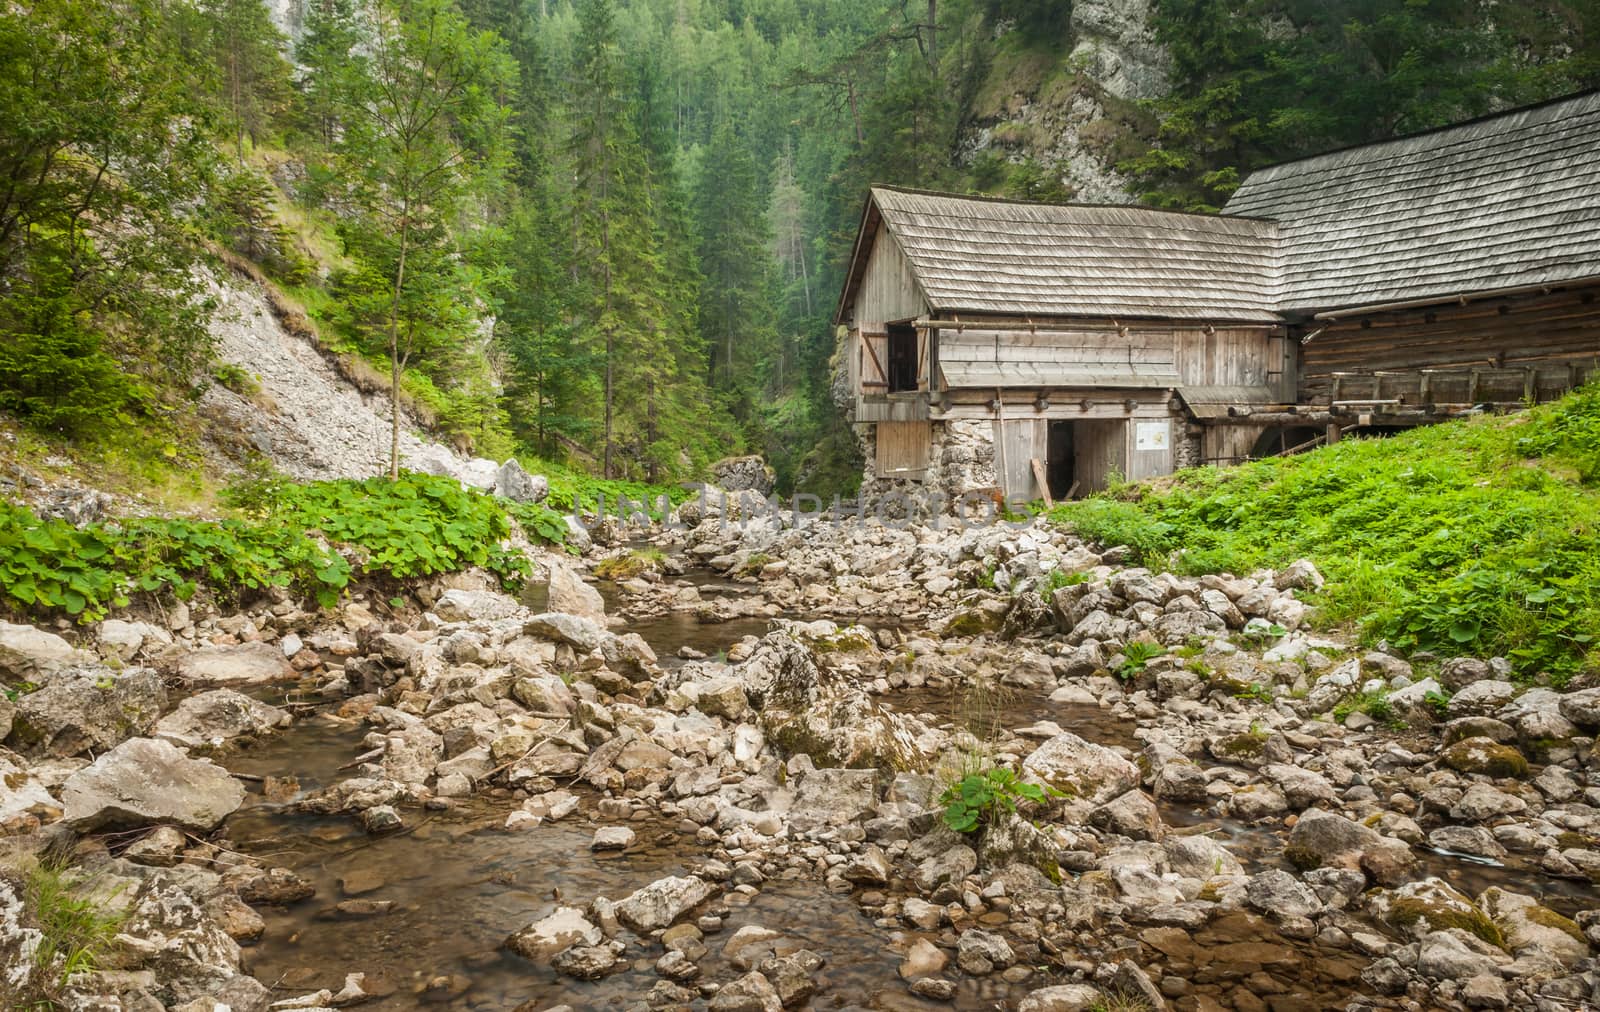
column 883, row 375
column 1039, row 477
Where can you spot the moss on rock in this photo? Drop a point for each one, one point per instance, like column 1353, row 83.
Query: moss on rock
column 1486, row 757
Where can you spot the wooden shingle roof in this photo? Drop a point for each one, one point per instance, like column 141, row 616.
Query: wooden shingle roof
column 978, row 255
column 1502, row 202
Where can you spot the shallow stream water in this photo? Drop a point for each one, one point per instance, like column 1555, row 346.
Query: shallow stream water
column 453, row 885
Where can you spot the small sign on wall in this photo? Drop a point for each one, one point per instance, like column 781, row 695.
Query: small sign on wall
column 1151, row 435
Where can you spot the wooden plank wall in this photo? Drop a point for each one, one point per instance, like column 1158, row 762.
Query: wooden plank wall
column 1231, row 356
column 1226, row 356
column 1550, row 333
column 1148, row 463
column 903, row 449
column 1017, row 441
column 888, row 292
column 1100, row 447
column 1086, row 352
column 1228, row 442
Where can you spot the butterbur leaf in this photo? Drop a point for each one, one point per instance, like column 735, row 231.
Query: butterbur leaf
column 1030, row 791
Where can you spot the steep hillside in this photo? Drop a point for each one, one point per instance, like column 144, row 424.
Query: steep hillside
column 278, row 398
column 1478, row 536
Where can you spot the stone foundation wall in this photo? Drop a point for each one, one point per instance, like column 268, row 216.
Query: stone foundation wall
column 1188, row 451
column 960, row 459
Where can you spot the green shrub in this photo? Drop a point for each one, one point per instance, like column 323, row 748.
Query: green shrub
column 1374, row 704
column 1135, row 656
column 1057, row 579
column 540, row 522
column 633, row 564
column 979, row 799
column 286, row 536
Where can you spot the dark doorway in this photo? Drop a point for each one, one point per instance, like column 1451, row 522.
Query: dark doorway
column 902, row 358
column 1284, row 439
column 1059, row 465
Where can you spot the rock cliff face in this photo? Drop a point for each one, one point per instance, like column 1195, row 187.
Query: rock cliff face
column 295, row 409
column 1071, row 105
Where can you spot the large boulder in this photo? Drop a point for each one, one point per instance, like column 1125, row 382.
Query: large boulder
column 741, row 474
column 214, row 717
column 660, row 904
column 146, row 782
column 124, row 640
column 1530, row 929
column 560, row 929
column 1081, row 769
column 456, row 605
column 33, row 655
column 830, row 798
column 513, row 482
column 1063, row 998
column 23, row 795
column 807, row 705
column 243, row 664
column 84, row 709
column 1325, row 840
column 582, row 634
column 569, row 594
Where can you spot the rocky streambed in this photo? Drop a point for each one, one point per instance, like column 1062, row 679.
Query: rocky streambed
column 717, row 785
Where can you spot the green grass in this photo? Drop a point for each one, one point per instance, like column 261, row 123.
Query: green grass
column 1479, row 536
column 634, row 563
column 78, row 929
column 570, row 488
column 1374, row 704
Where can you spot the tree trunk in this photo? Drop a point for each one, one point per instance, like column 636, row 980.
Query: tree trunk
column 933, row 37
column 394, row 357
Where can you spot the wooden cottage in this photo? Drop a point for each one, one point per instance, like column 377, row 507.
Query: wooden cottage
column 1448, row 271
column 1038, row 349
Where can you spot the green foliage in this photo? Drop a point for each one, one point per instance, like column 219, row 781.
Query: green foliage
column 630, row 565
column 311, row 537
column 540, row 522
column 102, row 148
column 1258, row 691
column 78, row 927
column 1438, row 702
column 423, row 136
column 1263, row 81
column 1056, row 579
column 1476, row 537
column 1374, row 704
column 237, row 379
column 980, row 799
column 414, row 527
column 1135, row 656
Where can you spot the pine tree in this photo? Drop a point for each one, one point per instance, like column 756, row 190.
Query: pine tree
column 614, row 234
column 254, row 75
column 424, row 134
column 325, row 51
column 736, row 258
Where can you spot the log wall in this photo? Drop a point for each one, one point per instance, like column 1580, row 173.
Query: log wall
column 1500, row 350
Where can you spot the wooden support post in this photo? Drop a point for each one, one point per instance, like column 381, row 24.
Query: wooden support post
column 1472, row 386
column 1334, row 430
column 1043, row 483
column 1338, row 381
column 1530, row 384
